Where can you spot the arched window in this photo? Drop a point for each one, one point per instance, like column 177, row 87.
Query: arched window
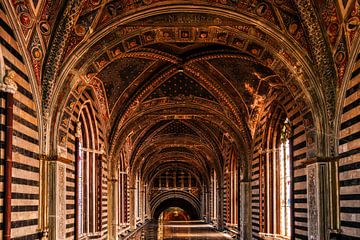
column 277, row 181
column 88, row 174
column 123, row 192
column 285, row 180
column 231, row 183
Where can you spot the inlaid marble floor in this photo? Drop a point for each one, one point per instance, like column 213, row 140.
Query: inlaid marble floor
column 179, row 230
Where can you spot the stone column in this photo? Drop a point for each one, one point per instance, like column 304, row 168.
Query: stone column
column 78, row 179
column 245, row 210
column 113, row 207
column 220, row 205
column 8, row 87
column 318, row 200
column 57, row 198
column 204, row 204
column 208, row 204
column 132, row 209
column 44, row 197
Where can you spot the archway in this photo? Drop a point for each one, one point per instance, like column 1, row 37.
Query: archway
column 170, row 205
column 174, row 214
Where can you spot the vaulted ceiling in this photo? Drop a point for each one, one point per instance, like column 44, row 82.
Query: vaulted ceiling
column 179, row 78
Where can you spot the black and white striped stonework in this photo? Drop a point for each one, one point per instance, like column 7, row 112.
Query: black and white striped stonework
column 299, row 148
column 25, row 176
column 349, row 164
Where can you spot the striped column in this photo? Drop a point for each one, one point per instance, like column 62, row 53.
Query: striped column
column 8, row 87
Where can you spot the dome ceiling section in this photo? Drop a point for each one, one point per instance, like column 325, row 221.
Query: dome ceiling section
column 177, row 151
column 152, row 165
column 198, row 26
column 173, row 148
column 173, row 171
column 118, row 75
column 252, row 81
column 149, row 134
column 99, row 17
column 177, row 127
column 181, row 137
column 186, row 119
column 162, row 85
column 181, row 84
column 185, row 162
column 143, row 80
column 180, row 143
column 195, row 115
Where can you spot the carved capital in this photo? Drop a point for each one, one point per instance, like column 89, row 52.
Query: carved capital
column 7, row 84
column 78, row 130
column 102, row 149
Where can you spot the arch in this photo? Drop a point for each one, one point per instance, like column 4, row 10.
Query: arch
column 167, row 199
column 88, row 173
column 154, row 113
column 353, row 59
column 83, row 97
column 309, row 76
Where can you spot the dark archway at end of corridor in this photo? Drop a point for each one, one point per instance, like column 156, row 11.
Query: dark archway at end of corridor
column 187, row 207
column 174, row 214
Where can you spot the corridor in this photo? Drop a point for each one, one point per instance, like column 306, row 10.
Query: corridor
column 179, row 119
column 178, row 230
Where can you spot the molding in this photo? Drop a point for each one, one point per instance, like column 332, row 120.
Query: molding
column 56, row 158
column 314, row 160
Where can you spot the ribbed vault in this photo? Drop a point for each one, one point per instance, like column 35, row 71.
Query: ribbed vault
column 186, row 102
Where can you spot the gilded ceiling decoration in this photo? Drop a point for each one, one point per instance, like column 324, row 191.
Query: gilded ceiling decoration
column 180, row 85
column 206, row 73
column 177, row 127
column 117, row 76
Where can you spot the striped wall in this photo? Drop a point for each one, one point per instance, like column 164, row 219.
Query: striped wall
column 70, row 169
column 299, row 173
column 349, row 163
column 25, row 178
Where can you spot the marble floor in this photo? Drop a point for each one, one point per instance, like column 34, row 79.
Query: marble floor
column 179, row 230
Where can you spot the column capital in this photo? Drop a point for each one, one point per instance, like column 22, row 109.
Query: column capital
column 78, row 129
column 7, row 84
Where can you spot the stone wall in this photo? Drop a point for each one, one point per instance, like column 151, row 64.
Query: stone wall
column 25, row 176
column 349, row 163
column 299, row 148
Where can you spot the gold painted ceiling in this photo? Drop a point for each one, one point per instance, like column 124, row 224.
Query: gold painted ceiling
column 175, row 80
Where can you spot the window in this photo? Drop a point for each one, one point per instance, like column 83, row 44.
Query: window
column 277, row 184
column 88, row 174
column 285, row 182
column 123, row 192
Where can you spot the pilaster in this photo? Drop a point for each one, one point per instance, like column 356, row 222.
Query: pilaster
column 318, row 219
column 220, row 209
column 57, row 198
column 245, row 210
column 132, row 209
column 113, row 213
column 8, row 87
